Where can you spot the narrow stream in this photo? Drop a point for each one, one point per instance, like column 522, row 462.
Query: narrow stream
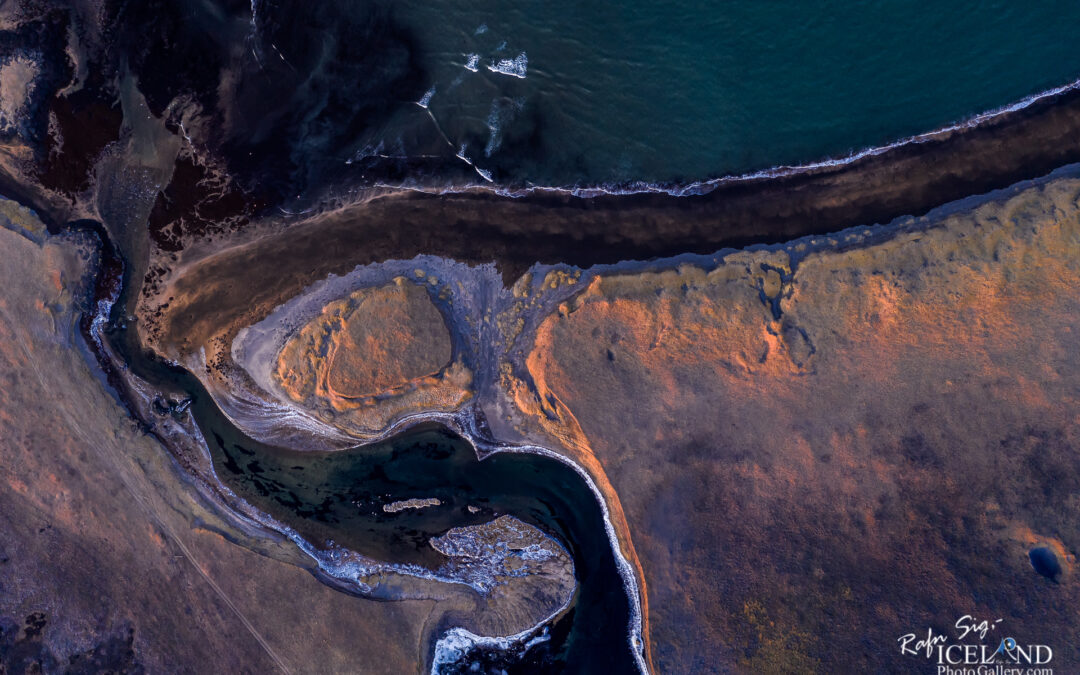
column 339, row 496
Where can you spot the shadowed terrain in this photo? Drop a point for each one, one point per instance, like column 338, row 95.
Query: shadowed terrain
column 860, row 424
column 826, row 446
column 371, row 358
column 108, row 560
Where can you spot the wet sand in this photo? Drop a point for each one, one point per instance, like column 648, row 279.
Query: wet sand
column 549, row 227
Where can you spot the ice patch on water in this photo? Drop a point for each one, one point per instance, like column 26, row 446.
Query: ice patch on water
column 473, row 62
column 376, row 579
column 514, row 67
column 426, row 98
column 458, row 642
column 489, row 555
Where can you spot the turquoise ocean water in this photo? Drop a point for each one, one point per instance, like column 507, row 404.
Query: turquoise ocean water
column 562, row 92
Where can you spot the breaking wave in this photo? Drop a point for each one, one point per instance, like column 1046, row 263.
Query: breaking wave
column 515, row 67
column 426, row 98
column 708, row 185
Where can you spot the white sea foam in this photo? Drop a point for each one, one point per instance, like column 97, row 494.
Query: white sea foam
column 494, row 125
column 366, row 151
column 502, row 111
column 378, row 150
column 705, row 186
column 426, row 98
column 515, row 67
column 473, row 62
column 462, row 156
column 481, row 29
column 484, row 173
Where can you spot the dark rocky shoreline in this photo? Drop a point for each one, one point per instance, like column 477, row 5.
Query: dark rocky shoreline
column 515, row 233
column 551, row 227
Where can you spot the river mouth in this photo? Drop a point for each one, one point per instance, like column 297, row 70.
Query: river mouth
column 353, row 498
column 340, row 496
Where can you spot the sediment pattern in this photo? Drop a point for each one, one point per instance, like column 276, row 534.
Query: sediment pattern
column 800, row 437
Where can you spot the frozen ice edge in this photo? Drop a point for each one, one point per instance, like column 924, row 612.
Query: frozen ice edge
column 347, row 566
column 463, row 425
column 458, row 642
column 458, row 634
